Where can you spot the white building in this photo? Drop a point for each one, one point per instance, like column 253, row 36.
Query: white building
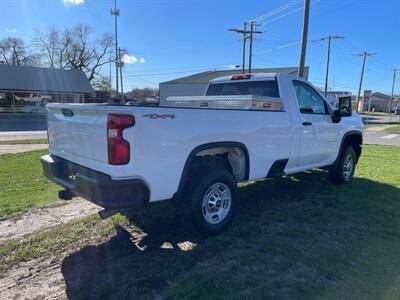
column 196, row 85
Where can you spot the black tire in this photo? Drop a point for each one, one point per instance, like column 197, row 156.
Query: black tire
column 343, row 171
column 200, row 183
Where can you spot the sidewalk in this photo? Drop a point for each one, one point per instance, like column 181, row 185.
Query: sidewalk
column 22, row 135
column 12, row 149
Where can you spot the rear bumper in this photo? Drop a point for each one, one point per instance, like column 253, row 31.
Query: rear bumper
column 94, row 186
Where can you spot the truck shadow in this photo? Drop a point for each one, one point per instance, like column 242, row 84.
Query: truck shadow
column 131, row 267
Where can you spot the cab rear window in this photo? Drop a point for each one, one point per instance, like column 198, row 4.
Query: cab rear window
column 268, row 88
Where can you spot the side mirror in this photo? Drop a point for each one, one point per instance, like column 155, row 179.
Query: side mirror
column 345, row 108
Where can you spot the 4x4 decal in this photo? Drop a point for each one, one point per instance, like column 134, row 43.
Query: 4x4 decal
column 158, row 116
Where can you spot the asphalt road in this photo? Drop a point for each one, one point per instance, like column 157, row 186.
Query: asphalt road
column 22, row 122
column 376, row 119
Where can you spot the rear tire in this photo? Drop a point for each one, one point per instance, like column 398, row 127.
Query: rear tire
column 213, row 195
column 343, row 171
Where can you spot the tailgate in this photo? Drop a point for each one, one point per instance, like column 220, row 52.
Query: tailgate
column 78, row 133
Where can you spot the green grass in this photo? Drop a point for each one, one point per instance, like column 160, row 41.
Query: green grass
column 22, row 185
column 393, row 129
column 24, row 142
column 297, row 237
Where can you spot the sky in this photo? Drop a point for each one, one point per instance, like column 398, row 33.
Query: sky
column 167, row 39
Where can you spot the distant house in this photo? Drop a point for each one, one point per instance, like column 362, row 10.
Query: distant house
column 196, row 85
column 380, row 102
column 28, row 89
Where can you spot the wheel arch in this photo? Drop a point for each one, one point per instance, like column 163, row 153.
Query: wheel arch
column 208, row 147
column 353, row 138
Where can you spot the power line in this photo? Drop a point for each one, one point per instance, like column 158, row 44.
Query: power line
column 286, row 14
column 275, row 11
column 205, row 68
column 137, row 77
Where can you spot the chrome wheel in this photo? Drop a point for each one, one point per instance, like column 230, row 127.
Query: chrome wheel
column 217, row 202
column 348, row 167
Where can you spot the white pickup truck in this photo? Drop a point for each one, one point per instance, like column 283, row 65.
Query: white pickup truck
column 197, row 149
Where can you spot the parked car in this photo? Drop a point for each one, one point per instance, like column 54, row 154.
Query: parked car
column 35, row 98
column 246, row 127
column 397, row 110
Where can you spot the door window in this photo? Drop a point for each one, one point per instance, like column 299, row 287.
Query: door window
column 310, row 102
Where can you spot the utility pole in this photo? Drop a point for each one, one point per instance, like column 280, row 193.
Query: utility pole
column 251, row 45
column 329, row 38
column 252, row 32
column 121, row 64
column 110, row 73
column 391, row 97
column 115, row 13
column 244, row 48
column 304, row 38
column 245, row 33
column 364, row 54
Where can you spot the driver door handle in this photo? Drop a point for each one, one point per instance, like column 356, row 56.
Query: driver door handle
column 307, row 123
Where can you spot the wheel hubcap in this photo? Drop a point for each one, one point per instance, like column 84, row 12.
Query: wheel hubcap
column 216, row 203
column 348, row 167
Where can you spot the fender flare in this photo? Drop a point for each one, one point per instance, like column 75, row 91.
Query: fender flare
column 345, row 136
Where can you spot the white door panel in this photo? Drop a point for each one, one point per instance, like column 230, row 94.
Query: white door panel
column 318, row 132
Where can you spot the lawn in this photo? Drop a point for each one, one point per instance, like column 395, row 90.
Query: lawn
column 393, row 129
column 22, row 185
column 297, row 237
column 380, row 124
column 24, row 142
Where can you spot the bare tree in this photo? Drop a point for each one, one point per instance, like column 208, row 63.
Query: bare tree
column 74, row 48
column 102, row 83
column 14, row 52
column 47, row 43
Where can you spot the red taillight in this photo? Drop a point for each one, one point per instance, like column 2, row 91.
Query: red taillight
column 241, row 77
column 118, row 148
